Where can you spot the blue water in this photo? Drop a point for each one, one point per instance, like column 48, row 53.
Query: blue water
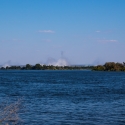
column 66, row 97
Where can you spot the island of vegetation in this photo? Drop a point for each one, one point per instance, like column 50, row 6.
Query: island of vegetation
column 46, row 67
column 108, row 66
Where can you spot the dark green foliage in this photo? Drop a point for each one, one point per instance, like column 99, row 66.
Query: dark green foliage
column 37, row 67
column 110, row 66
column 46, row 67
column 28, row 66
column 13, row 67
column 3, row 68
column 99, row 68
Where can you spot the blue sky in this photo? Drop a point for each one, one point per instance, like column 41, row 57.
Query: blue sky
column 79, row 31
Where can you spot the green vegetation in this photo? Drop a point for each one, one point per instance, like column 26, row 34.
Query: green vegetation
column 110, row 66
column 46, row 67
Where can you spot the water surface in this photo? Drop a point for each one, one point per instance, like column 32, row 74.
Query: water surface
column 67, row 97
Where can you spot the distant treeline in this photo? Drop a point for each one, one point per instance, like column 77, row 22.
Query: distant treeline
column 110, row 66
column 45, row 67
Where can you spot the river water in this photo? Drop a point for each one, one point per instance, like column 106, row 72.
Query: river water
column 66, row 97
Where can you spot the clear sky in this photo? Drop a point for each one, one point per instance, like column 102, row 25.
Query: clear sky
column 79, row 31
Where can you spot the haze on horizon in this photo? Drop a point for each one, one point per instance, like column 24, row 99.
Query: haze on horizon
column 77, row 31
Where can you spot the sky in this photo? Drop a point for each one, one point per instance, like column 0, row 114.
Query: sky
column 71, row 32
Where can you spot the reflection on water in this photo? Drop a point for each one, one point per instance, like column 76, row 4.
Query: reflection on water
column 67, row 97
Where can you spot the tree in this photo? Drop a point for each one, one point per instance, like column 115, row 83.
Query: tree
column 38, row 66
column 2, row 68
column 7, row 67
column 109, row 66
column 28, row 66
